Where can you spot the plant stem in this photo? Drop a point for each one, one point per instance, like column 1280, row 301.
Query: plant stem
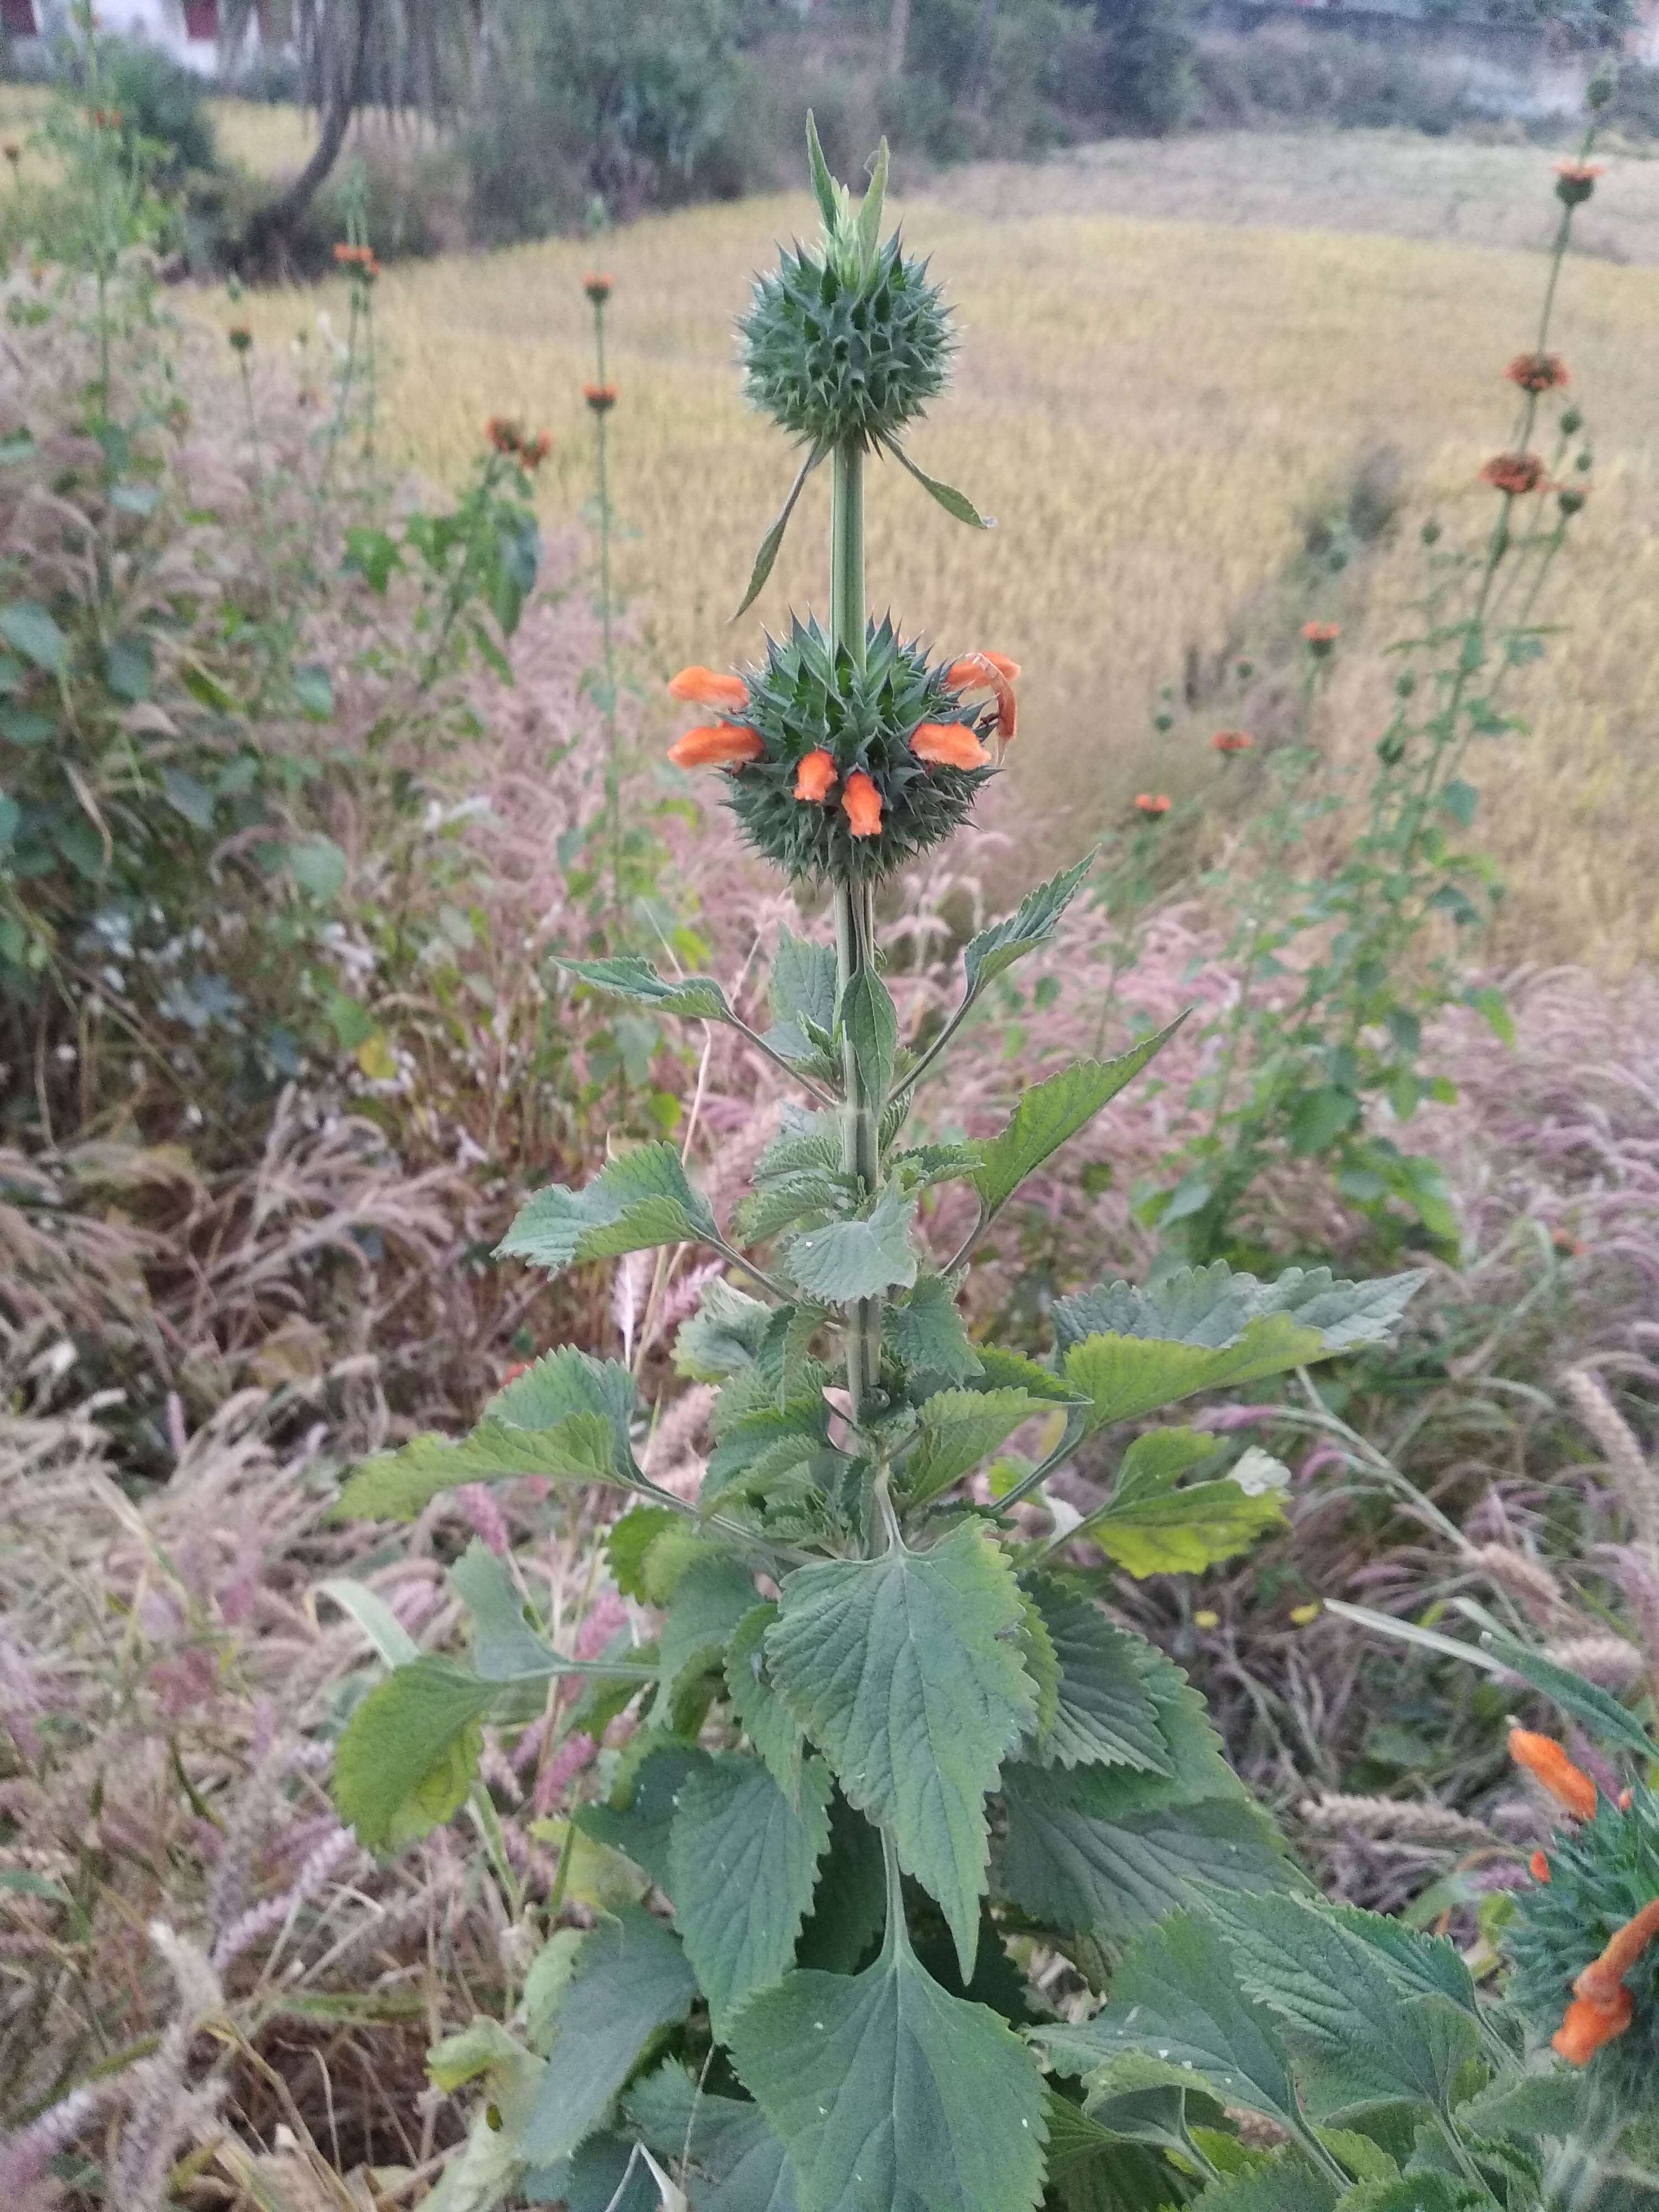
column 612, row 777
column 854, row 907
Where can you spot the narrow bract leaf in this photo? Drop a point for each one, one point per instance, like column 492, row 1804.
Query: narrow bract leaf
column 1031, row 924
column 504, row 1644
column 697, row 997
column 823, row 184
column 639, row 1200
column 899, row 1669
column 769, row 545
column 956, row 504
column 853, row 1259
column 890, row 2095
column 958, row 1429
column 410, row 1752
column 743, row 1863
column 1053, row 1111
column 870, row 213
column 871, row 1022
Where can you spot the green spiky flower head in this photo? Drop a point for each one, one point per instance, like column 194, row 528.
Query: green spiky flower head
column 846, row 340
column 1601, row 1877
column 837, row 790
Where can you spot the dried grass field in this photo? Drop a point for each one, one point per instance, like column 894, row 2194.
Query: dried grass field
column 1154, row 401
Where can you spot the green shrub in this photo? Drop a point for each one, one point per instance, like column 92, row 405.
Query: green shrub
column 1282, row 75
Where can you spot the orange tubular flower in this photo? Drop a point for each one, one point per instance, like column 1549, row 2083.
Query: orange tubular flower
column 706, row 687
column 1539, row 1867
column 1152, row 802
column 1538, row 372
column 597, row 287
column 993, row 672
column 1232, row 741
column 948, row 745
column 718, row 744
column 601, row 398
column 1588, row 2025
column 1517, row 474
column 1544, row 1757
column 814, row 779
column 1602, row 1981
column 1320, row 636
column 861, row 803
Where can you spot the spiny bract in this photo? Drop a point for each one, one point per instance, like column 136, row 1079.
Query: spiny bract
column 809, row 696
column 832, row 352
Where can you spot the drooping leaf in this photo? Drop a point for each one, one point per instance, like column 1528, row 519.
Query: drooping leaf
column 697, row 997
column 956, row 504
column 767, row 1720
column 1121, row 1377
column 899, row 1668
column 768, row 553
column 399, row 1486
column 1051, row 1112
column 408, row 1755
column 627, row 1543
column 1007, row 1371
column 630, row 1980
column 1213, row 1306
column 853, row 1259
column 639, row 1200
column 734, row 2163
column 504, row 1644
column 871, row 1022
column 1032, row 923
column 743, row 1864
column 723, row 1336
column 958, row 1430
column 1176, row 1997
column 890, row 2095
column 926, row 1333
column 761, row 1448
column 1151, row 1526
column 1104, row 1715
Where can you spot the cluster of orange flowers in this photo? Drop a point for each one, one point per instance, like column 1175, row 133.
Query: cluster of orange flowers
column 1539, row 372
column 510, row 439
column 1574, row 181
column 943, row 745
column 1232, row 741
column 1320, row 636
column 1601, row 2006
column 1152, row 802
column 360, row 260
column 601, row 398
column 596, row 285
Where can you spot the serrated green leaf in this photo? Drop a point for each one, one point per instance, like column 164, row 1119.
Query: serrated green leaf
column 709, row 1600
column 767, row 554
column 563, row 1382
column 399, row 1486
column 763, row 1447
column 743, row 1863
column 1541, row 2105
column 767, row 1720
column 1151, row 1527
column 1121, row 1377
column 641, row 1200
column 1050, row 1113
column 609, row 2173
column 1214, row 1307
column 1040, row 1661
column 1176, row 1997
column 871, row 1022
column 802, row 993
column 926, row 1334
column 853, row 1259
column 1419, row 1964
column 631, row 1979
column 956, row 504
column 1409, row 2192
column 504, row 1644
column 699, row 998
column 782, row 1200
column 723, row 1337
column 640, row 1826
column 1339, row 2005
column 734, row 2163
column 628, row 1540
column 1286, row 2183
column 1005, row 1370
column 1070, row 1869
column 899, row 1668
column 408, row 1755
column 1162, row 1455
column 890, row 2095
column 1104, row 1715
column 1031, row 924
column 958, row 1430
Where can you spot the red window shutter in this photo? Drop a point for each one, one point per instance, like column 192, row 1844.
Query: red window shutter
column 201, row 19
column 17, row 16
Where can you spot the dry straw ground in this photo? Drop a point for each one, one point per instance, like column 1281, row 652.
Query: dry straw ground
column 1151, row 401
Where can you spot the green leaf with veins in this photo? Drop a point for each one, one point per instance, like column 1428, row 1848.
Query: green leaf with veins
column 697, row 997
column 410, row 1752
column 640, row 1827
column 399, row 1486
column 1213, row 1306
column 871, row 1022
column 1049, row 1113
column 926, row 1334
column 890, row 2095
column 743, row 1864
column 1151, row 1527
column 1121, row 1377
column 901, row 1670
column 1007, row 1371
column 1103, row 1714
column 723, row 1337
column 1286, row 2183
column 777, row 1205
column 641, row 1200
column 918, row 1165
column 504, row 1644
column 1160, row 1456
column 710, row 1599
column 958, row 1429
column 564, row 1382
column 735, row 2163
column 853, row 1259
column 764, row 1446
column 1031, row 924
column 632, row 1979
column 767, row 1720
column 804, row 988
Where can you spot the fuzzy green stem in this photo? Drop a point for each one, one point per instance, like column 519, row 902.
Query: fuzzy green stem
column 854, row 908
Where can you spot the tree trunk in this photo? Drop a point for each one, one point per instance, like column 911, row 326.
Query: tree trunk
column 271, row 229
column 898, row 37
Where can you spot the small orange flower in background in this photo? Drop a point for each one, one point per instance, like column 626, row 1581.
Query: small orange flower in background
column 717, row 745
column 861, row 802
column 536, row 450
column 1603, row 2008
column 1538, row 372
column 1517, row 474
column 1232, row 741
column 503, row 433
column 948, row 745
column 1574, row 181
column 601, row 398
column 1543, row 1758
column 814, row 779
column 1539, row 1867
column 1152, row 802
column 1588, row 2025
column 596, row 285
column 1320, row 636
column 706, row 687
column 993, row 672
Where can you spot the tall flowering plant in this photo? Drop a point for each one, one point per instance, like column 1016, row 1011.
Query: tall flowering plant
column 885, row 1742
